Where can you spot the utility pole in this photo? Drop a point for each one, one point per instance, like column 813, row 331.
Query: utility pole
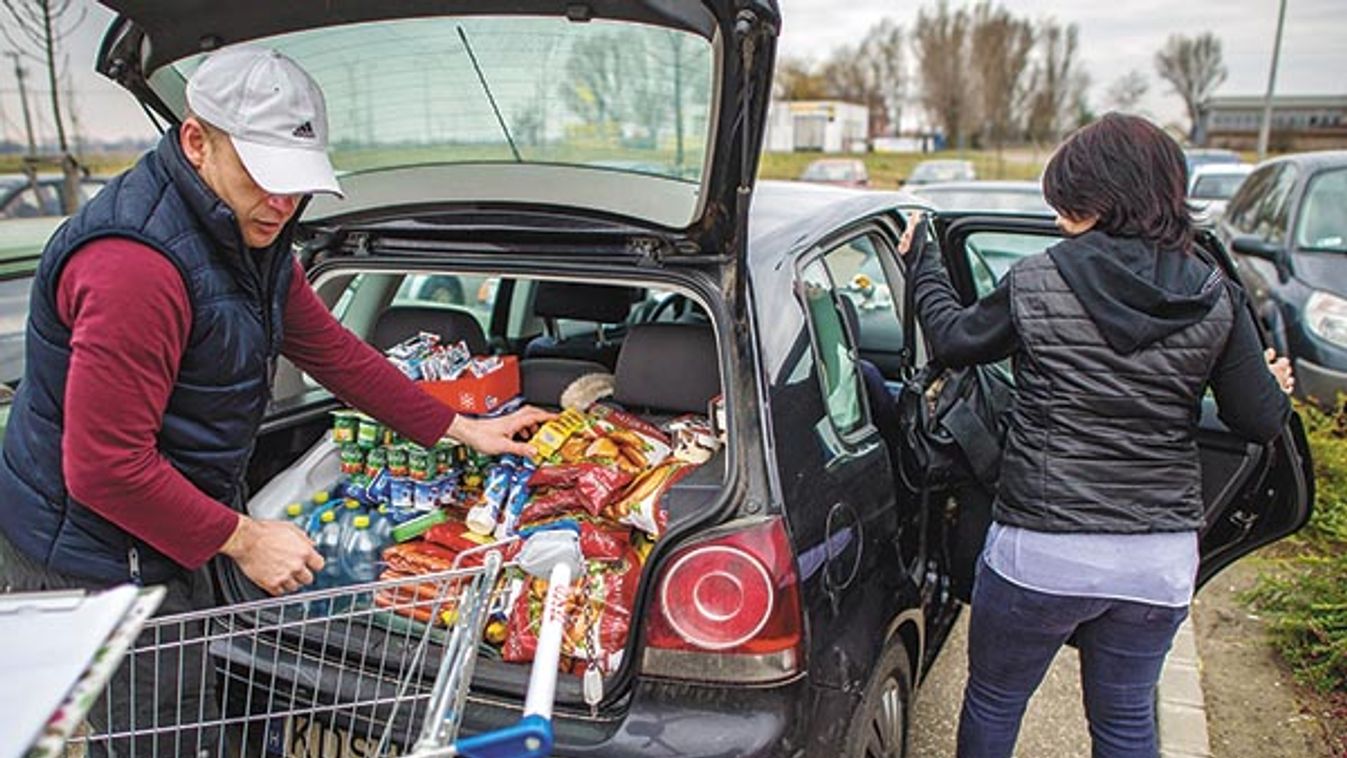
column 1266, row 128
column 19, row 73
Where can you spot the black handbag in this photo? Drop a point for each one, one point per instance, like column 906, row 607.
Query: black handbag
column 953, row 420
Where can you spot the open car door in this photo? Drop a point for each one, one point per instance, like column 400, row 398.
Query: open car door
column 1253, row 494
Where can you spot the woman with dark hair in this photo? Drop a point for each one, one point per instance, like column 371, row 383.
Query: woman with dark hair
column 1115, row 333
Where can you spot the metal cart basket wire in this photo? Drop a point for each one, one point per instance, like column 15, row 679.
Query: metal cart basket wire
column 251, row 678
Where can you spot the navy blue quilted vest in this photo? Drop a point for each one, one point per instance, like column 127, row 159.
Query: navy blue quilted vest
column 222, row 387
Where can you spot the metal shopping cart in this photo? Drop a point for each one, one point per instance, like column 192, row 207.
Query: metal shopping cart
column 260, row 677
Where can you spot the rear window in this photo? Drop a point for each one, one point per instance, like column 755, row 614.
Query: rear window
column 1216, row 186
column 482, row 89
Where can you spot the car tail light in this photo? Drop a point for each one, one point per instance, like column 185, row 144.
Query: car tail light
column 727, row 609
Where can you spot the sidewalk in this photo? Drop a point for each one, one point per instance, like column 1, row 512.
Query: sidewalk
column 1054, row 725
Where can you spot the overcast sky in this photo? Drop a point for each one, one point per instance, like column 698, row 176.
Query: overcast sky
column 1115, row 37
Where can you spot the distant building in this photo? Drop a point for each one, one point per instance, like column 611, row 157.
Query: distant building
column 828, row 126
column 1299, row 122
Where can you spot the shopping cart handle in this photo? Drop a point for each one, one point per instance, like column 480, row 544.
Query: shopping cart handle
column 531, row 737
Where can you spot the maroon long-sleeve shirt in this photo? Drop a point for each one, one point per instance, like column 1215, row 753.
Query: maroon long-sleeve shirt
column 130, row 317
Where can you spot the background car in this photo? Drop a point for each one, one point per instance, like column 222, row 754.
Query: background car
column 1287, row 227
column 22, row 198
column 838, row 583
column 993, row 196
column 21, row 243
column 1212, row 185
column 1207, row 156
column 930, row 172
column 843, row 172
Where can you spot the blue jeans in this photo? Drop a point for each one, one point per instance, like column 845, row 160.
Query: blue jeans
column 1012, row 638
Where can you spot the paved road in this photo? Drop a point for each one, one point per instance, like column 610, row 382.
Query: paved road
column 1054, row 725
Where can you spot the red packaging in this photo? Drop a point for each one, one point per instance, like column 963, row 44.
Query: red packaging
column 473, row 394
column 418, row 557
column 591, row 486
column 598, row 617
column 642, row 505
column 599, row 541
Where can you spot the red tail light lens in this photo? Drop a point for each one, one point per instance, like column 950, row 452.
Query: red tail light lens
column 734, row 601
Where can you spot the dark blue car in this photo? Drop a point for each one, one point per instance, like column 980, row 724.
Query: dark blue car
column 1287, row 228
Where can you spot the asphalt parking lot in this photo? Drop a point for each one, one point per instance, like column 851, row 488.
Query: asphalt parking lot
column 1053, row 726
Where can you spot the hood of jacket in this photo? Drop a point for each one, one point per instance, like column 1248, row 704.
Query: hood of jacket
column 1135, row 293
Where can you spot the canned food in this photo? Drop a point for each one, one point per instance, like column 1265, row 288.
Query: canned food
column 397, row 461
column 352, row 459
column 420, row 463
column 375, row 460
column 344, row 424
column 448, row 494
column 369, row 433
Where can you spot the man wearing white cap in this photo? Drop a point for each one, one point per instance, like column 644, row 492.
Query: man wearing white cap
column 157, row 314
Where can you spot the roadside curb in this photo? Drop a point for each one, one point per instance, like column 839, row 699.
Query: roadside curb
column 1181, row 709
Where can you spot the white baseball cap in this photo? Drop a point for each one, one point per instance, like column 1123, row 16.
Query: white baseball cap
column 274, row 114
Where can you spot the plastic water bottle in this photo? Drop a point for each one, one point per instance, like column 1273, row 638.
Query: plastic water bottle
column 298, row 515
column 381, row 526
column 360, row 553
column 347, row 513
column 327, row 542
column 319, row 499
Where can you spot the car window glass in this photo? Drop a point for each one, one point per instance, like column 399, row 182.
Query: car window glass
column 856, row 268
column 833, row 353
column 1243, row 209
column 13, row 316
column 1322, row 225
column 475, row 294
column 25, row 204
column 1272, row 218
column 991, row 254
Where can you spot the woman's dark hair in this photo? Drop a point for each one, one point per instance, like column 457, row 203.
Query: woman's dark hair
column 1127, row 172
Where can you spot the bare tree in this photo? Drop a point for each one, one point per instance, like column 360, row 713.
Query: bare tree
column 1127, row 90
column 1054, row 85
column 1193, row 67
column 42, row 25
column 593, row 88
column 881, row 58
column 941, row 41
column 999, row 55
column 796, row 79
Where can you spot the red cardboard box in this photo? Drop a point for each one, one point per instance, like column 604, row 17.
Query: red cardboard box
column 471, row 394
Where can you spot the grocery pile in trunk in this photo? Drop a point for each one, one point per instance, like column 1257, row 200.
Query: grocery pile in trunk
column 402, row 510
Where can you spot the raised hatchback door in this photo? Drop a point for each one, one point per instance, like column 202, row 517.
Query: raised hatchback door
column 1253, row 494
column 646, row 112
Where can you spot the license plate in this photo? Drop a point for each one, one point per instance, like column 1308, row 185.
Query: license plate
column 305, row 737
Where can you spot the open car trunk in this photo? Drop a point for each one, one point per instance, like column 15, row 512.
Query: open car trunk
column 296, row 456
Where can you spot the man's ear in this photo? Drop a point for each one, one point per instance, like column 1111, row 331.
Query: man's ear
column 192, row 137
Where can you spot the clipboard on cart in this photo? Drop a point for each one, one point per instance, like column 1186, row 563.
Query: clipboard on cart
column 59, row 651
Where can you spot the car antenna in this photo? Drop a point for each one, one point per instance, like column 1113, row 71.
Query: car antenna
column 489, row 97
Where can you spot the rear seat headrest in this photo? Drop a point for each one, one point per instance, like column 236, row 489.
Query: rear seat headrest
column 599, row 303
column 544, row 379
column 671, row 367
column 452, row 324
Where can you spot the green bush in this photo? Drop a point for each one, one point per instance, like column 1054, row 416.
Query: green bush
column 1304, row 596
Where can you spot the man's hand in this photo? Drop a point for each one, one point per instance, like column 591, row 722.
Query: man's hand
column 496, row 436
column 1281, row 369
column 275, row 555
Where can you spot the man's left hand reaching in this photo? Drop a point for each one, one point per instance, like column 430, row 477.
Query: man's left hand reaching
column 496, row 436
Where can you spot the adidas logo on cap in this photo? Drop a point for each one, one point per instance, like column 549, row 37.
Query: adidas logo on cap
column 304, row 130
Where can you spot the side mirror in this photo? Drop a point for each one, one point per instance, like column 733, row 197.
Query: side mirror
column 1257, row 247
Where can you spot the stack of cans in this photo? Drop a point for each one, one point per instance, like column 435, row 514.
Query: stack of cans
column 381, row 469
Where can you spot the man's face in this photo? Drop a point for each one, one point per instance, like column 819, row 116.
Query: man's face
column 260, row 214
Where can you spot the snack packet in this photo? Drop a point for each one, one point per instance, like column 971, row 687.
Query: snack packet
column 642, row 505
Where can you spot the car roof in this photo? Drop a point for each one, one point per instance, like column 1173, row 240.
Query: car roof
column 1313, row 160
column 786, row 216
column 1222, row 168
column 983, row 185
